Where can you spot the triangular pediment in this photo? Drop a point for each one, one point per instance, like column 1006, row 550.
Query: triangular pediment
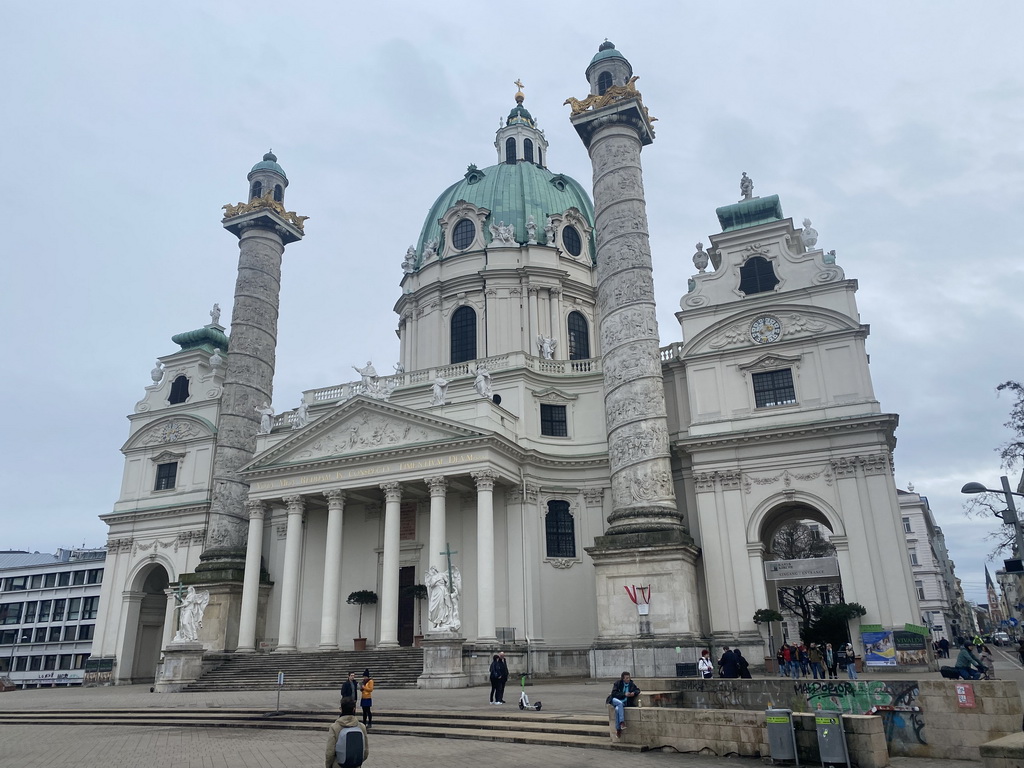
column 359, row 427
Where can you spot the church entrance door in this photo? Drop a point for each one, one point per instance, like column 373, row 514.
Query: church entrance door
column 406, row 605
column 150, row 627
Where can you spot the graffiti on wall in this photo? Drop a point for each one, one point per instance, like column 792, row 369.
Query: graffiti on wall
column 895, row 701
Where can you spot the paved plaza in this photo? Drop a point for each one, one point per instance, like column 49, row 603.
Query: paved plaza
column 92, row 746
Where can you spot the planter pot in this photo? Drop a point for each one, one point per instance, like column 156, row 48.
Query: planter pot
column 359, row 643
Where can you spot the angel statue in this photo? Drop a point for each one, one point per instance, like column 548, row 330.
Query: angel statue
column 192, row 607
column 443, row 592
column 546, row 345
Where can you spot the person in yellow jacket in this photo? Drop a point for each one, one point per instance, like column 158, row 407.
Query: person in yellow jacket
column 366, row 702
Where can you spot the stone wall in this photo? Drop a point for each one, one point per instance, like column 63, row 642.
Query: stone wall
column 921, row 718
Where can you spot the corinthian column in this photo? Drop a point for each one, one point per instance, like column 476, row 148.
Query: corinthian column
column 332, row 571
column 438, row 486
column 290, row 575
column 251, row 582
column 389, row 577
column 485, row 554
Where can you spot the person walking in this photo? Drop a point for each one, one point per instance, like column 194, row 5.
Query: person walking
column 623, row 694
column 830, row 662
column 347, row 720
column 494, row 673
column 366, row 698
column 944, row 647
column 727, row 666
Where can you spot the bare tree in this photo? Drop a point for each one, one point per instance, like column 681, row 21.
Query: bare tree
column 1013, row 450
column 797, row 541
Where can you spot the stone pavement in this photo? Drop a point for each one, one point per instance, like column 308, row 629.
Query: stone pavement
column 23, row 746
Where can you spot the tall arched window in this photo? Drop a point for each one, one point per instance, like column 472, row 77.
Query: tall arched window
column 560, row 530
column 257, row 190
column 179, row 390
column 579, row 337
column 528, row 150
column 510, row 151
column 604, row 82
column 278, row 193
column 463, row 335
column 757, row 276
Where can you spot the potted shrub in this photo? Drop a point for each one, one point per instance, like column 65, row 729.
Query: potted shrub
column 361, row 597
column 419, row 593
column 767, row 616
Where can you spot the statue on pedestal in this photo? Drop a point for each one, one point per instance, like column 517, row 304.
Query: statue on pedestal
column 546, row 345
column 482, row 383
column 440, row 391
column 443, row 590
column 808, row 236
column 190, row 620
column 266, row 418
column 746, row 187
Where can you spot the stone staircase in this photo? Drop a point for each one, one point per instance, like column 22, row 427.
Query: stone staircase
column 511, row 726
column 397, row 668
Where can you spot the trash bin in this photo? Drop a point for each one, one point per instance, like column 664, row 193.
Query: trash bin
column 831, row 738
column 686, row 669
column 781, row 737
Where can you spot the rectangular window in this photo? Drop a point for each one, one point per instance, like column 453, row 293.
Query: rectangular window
column 40, row 636
column 78, row 578
column 50, row 580
column 920, row 589
column 21, row 663
column 54, row 635
column 166, row 474
column 36, row 581
column 65, row 661
column 30, row 612
column 10, row 613
column 95, row 576
column 58, row 610
column 89, row 606
column 63, row 578
column 913, row 557
column 79, row 660
column 906, row 525
column 8, row 636
column 35, row 663
column 552, row 420
column 44, row 609
column 16, row 582
column 773, row 388
column 74, row 608
column 85, row 631
column 50, row 662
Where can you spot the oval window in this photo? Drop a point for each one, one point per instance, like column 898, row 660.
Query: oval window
column 571, row 240
column 463, row 234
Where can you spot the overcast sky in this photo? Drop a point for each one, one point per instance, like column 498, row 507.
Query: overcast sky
column 895, row 127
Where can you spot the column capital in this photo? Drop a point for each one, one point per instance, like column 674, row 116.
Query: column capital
column 392, row 491
column 485, row 479
column 296, row 504
column 335, row 499
column 438, row 484
column 533, row 290
column 256, row 508
column 594, row 497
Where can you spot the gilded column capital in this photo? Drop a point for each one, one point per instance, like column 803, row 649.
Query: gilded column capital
column 392, row 491
column 256, row 509
column 485, row 479
column 438, row 484
column 335, row 499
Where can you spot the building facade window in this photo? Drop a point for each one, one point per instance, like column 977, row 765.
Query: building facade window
column 913, row 557
column 278, row 193
column 30, row 612
column 166, row 475
column 510, row 151
column 773, row 388
column 553, row 421
column 10, row 613
column 44, row 609
column 560, row 530
column 757, row 276
column 89, row 607
column 463, row 234
column 179, row 390
column 94, row 576
column 906, row 525
column 74, row 608
column 579, row 336
column 528, row 150
column 572, row 241
column 604, row 82
column 58, row 610
column 257, row 190
column 920, row 589
column 463, row 335
column 85, row 631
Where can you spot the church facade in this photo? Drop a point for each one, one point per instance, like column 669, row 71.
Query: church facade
column 596, row 489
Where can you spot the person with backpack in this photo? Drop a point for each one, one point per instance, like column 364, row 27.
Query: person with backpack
column 347, row 743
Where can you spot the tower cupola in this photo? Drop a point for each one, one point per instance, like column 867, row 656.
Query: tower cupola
column 519, row 140
column 607, row 68
column 267, row 177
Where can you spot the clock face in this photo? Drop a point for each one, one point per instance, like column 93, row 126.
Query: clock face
column 765, row 330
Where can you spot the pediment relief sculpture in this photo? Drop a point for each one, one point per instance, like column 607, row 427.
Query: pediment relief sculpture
column 791, row 325
column 170, row 431
column 369, row 431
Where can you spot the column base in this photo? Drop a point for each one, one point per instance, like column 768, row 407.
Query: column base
column 329, row 647
column 285, row 649
column 387, row 644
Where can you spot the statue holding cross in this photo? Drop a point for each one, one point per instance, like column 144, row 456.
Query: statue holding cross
column 444, row 589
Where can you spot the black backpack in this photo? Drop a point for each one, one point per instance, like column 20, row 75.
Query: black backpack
column 350, row 747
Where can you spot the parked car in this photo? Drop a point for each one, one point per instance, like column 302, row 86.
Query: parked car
column 1001, row 638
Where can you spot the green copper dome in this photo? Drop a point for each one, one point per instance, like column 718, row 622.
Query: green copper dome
column 268, row 163
column 606, row 51
column 512, row 193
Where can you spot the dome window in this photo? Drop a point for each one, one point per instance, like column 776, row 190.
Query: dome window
column 579, row 337
column 278, row 193
column 540, row 157
column 571, row 240
column 463, row 234
column 757, row 276
column 510, row 151
column 528, row 150
column 604, row 82
column 257, row 190
column 463, row 335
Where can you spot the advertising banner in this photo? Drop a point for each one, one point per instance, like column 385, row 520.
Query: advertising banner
column 911, row 648
column 879, row 650
column 817, row 568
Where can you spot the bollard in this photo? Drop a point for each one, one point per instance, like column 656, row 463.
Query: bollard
column 781, row 737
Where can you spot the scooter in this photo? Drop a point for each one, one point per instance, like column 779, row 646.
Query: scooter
column 524, row 700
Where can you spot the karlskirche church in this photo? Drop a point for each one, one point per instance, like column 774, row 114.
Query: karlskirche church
column 569, row 483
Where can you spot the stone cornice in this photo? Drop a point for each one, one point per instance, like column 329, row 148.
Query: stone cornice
column 885, row 422
column 139, row 515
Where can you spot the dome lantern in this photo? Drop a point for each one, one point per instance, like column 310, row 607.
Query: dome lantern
column 519, row 140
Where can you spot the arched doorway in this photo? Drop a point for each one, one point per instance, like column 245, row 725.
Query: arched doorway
column 149, row 623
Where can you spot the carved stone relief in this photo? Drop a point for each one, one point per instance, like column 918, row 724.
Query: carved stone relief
column 368, row 432
column 169, row 432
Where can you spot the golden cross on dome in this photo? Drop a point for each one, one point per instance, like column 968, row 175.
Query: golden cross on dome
column 519, row 94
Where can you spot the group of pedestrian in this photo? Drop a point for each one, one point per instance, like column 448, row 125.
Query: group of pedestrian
column 821, row 662
column 733, row 664
column 361, row 692
column 498, row 674
column 941, row 648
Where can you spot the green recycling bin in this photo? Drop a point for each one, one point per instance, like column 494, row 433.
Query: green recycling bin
column 831, row 738
column 781, row 737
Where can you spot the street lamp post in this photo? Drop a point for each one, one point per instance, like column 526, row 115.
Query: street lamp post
column 1009, row 515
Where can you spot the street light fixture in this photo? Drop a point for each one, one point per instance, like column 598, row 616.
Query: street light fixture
column 1008, row 516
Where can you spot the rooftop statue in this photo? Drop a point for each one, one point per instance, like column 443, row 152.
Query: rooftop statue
column 746, row 187
column 215, row 315
column 266, row 418
column 808, row 235
column 700, row 259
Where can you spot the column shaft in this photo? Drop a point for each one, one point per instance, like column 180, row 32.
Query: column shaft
column 485, row 554
column 332, row 571
column 554, row 324
column 438, row 513
column 389, row 578
column 251, row 580
column 534, row 317
column 290, row 575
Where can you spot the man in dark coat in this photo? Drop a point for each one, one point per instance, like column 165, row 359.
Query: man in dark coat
column 501, row 667
column 728, row 665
